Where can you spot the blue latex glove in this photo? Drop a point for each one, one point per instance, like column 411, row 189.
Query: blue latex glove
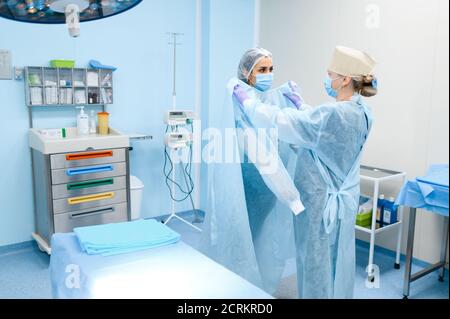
column 240, row 94
column 294, row 97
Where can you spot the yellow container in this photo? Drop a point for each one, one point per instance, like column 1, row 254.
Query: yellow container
column 103, row 123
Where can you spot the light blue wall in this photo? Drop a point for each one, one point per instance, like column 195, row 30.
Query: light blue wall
column 229, row 27
column 135, row 42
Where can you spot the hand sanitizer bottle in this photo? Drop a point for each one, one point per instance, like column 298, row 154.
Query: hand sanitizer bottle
column 92, row 124
column 82, row 122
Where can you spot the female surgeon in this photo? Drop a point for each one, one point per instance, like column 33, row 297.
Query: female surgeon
column 256, row 70
column 330, row 138
column 248, row 225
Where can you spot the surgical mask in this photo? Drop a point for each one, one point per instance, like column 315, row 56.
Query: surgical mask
column 264, row 82
column 328, row 83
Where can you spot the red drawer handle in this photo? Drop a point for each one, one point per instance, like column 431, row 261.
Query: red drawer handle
column 90, row 155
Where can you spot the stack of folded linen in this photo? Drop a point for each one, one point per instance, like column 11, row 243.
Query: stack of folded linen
column 121, row 238
column 429, row 192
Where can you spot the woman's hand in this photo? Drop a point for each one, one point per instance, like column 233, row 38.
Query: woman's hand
column 240, row 94
column 294, row 95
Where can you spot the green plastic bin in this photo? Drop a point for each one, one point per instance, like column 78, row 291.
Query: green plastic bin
column 62, row 64
column 364, row 219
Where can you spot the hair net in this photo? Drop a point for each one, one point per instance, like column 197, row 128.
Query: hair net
column 250, row 60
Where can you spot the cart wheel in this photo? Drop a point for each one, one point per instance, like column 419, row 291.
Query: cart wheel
column 405, row 297
column 441, row 279
column 371, row 278
column 397, row 266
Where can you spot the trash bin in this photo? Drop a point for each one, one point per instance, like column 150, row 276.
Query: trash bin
column 136, row 187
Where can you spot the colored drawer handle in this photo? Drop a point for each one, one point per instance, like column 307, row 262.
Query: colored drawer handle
column 90, row 155
column 81, row 185
column 90, row 198
column 92, row 212
column 90, row 170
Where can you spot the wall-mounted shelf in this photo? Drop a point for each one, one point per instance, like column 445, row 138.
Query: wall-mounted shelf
column 47, row 86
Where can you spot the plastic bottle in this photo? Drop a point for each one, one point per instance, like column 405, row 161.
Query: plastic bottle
column 82, row 122
column 389, row 212
column 380, row 209
column 92, row 124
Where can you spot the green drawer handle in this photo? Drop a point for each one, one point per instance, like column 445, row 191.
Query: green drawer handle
column 101, row 182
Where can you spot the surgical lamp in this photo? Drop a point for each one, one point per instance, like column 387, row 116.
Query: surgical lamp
column 70, row 12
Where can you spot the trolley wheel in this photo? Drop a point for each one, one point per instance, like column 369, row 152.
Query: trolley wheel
column 441, row 279
column 405, row 297
column 371, row 278
column 397, row 266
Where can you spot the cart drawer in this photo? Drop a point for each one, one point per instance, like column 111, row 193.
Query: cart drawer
column 85, row 173
column 65, row 223
column 60, row 161
column 89, row 187
column 89, row 201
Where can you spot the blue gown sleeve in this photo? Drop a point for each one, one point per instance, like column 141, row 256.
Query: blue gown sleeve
column 299, row 127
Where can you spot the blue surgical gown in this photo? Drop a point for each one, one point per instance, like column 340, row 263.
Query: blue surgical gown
column 330, row 138
column 247, row 229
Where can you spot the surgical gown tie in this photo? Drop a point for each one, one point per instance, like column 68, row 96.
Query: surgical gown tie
column 335, row 207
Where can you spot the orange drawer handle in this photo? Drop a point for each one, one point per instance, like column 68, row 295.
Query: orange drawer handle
column 90, row 155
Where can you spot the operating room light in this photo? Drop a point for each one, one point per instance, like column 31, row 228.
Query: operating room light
column 70, row 12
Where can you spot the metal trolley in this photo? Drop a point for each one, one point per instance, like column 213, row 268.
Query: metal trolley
column 378, row 176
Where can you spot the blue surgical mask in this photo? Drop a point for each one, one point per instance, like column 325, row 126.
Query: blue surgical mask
column 329, row 87
column 264, row 82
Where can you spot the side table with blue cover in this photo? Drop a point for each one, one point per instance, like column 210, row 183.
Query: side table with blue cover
column 431, row 194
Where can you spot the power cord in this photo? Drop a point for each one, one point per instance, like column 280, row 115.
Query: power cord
column 187, row 171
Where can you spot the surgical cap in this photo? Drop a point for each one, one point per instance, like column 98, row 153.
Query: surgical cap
column 351, row 62
column 250, row 59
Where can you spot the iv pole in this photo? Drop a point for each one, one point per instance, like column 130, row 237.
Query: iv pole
column 174, row 107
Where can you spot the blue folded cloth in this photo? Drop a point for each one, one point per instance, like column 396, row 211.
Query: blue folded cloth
column 429, row 192
column 97, row 65
column 120, row 238
column 436, row 175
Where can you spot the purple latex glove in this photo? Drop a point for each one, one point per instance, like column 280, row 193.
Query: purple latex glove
column 240, row 94
column 294, row 97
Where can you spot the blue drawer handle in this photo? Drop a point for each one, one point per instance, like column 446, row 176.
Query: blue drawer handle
column 89, row 170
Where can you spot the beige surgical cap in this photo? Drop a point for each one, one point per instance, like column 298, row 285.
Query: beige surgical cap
column 351, row 62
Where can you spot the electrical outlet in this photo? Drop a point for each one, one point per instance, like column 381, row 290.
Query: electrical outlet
column 18, row 74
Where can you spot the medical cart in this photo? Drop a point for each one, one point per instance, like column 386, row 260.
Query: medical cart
column 78, row 180
column 378, row 176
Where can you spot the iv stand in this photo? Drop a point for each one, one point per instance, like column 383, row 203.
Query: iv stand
column 174, row 107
